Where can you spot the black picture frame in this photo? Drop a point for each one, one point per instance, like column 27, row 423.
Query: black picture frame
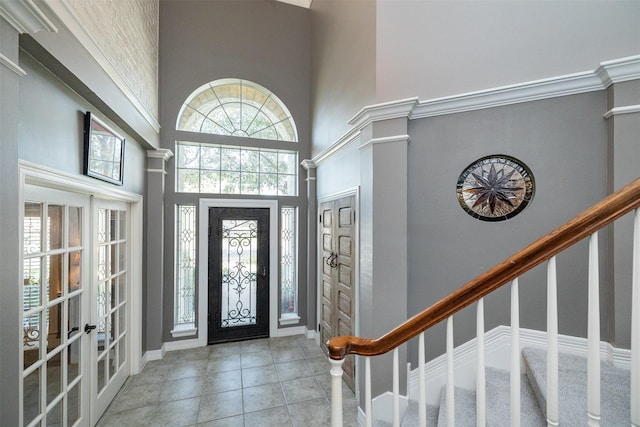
column 103, row 151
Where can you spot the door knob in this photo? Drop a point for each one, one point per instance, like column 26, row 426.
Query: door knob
column 88, row 328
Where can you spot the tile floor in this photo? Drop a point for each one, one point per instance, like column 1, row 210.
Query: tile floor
column 266, row 382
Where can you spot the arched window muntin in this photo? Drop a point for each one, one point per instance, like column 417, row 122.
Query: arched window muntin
column 237, row 107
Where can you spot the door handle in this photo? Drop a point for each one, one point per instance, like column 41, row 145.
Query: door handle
column 88, row 328
column 332, row 261
column 72, row 330
column 264, row 271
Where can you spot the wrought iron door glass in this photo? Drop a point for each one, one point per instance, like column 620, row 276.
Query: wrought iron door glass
column 239, row 272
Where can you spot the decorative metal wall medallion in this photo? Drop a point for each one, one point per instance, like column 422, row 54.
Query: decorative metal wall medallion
column 495, row 188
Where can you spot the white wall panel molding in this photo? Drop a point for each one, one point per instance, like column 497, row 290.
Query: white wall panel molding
column 25, row 16
column 12, row 65
column 629, row 109
column 619, row 70
column 70, row 19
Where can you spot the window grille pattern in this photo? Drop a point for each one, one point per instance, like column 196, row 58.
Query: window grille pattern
column 221, row 169
column 236, row 107
column 184, row 299
column 288, row 260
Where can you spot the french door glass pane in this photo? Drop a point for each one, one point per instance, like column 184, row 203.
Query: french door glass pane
column 55, row 223
column 73, row 405
column 75, row 226
column 54, row 377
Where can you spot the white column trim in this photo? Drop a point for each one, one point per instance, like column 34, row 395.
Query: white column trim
column 12, row 65
column 619, row 70
column 385, row 140
column 160, row 153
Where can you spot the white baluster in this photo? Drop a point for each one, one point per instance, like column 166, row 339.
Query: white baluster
column 515, row 355
column 396, row 389
column 552, row 344
column 422, row 384
column 367, row 392
column 481, row 397
column 336, row 392
column 593, row 336
column 635, row 325
column 450, row 385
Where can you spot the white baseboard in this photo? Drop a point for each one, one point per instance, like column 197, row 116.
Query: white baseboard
column 180, row 345
column 497, row 351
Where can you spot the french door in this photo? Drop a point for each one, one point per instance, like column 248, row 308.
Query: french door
column 75, row 302
column 109, row 331
column 238, row 274
column 56, row 294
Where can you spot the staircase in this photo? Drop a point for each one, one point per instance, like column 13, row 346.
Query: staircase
column 615, row 387
column 553, row 391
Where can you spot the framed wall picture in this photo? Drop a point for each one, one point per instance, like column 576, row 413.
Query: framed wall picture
column 103, row 151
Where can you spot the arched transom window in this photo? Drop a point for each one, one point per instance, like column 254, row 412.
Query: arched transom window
column 237, row 107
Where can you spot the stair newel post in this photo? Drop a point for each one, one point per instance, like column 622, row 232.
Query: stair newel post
column 552, row 344
column 515, row 355
column 367, row 392
column 336, row 392
column 450, row 380
column 635, row 324
column 396, row 389
column 481, row 398
column 593, row 335
column 422, row 392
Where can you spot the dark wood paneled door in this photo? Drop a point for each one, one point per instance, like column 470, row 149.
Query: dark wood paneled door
column 337, row 249
column 238, row 274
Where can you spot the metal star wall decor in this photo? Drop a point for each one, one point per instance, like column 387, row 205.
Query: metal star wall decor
column 495, row 188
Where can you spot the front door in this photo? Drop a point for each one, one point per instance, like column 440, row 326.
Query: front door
column 238, row 274
column 337, row 252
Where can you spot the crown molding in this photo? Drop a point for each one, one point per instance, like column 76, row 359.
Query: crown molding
column 619, row 70
column 343, row 142
column 507, row 95
column 12, row 65
column 25, row 16
column 308, row 164
column 386, row 140
column 301, row 3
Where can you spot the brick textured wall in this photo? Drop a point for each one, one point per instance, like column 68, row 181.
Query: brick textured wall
column 126, row 32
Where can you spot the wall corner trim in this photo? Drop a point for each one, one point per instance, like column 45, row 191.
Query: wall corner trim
column 25, row 16
column 308, row 164
column 160, row 153
column 383, row 111
column 619, row 70
column 12, row 65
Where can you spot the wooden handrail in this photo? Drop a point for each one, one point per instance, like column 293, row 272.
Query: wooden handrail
column 588, row 222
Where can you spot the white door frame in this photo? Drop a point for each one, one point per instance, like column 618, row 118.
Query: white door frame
column 31, row 173
column 203, row 258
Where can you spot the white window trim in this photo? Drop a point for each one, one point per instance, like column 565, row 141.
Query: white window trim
column 203, row 257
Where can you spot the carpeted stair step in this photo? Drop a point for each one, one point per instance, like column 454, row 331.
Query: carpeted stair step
column 615, row 387
column 464, row 408
column 498, row 383
column 411, row 415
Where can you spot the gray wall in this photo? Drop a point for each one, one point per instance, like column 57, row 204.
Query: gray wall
column 264, row 42
column 431, row 49
column 342, row 65
column 51, row 132
column 563, row 141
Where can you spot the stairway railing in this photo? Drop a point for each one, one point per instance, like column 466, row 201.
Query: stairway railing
column 544, row 249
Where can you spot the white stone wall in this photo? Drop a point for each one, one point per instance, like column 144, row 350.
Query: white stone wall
column 126, row 34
